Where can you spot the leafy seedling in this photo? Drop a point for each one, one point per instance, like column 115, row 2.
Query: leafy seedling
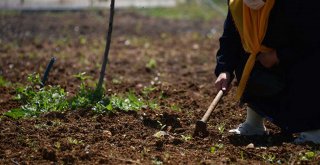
column 187, row 137
column 270, row 158
column 152, row 64
column 215, row 148
column 36, row 101
column 307, row 156
column 148, row 89
column 221, row 127
column 3, row 82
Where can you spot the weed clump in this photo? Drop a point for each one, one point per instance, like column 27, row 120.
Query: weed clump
column 38, row 100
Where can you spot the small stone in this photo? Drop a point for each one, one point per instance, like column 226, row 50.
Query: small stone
column 139, row 85
column 195, row 46
column 160, row 134
column 106, row 133
column 251, row 145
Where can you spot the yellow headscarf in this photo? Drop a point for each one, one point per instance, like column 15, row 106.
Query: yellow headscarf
column 252, row 26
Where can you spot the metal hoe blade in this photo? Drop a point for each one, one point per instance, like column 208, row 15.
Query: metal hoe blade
column 201, row 125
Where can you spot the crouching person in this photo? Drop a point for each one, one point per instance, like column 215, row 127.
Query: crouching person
column 272, row 49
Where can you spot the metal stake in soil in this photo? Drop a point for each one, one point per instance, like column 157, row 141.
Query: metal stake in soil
column 46, row 73
column 201, row 125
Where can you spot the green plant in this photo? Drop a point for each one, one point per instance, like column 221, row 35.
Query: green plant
column 82, row 40
column 82, row 77
column 85, row 97
column 44, row 100
column 16, row 113
column 152, row 64
column 41, row 126
column 29, row 91
column 175, row 107
column 116, row 81
column 148, row 89
column 38, row 101
column 242, row 155
column 103, row 106
column 3, row 82
column 221, row 127
column 74, row 141
column 127, row 102
column 34, row 79
column 307, row 156
column 153, row 105
column 131, row 102
column 216, row 147
column 270, row 158
column 57, row 145
column 157, row 161
column 163, row 95
column 145, row 152
column 186, row 138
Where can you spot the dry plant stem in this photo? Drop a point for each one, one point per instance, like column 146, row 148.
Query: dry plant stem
column 107, row 48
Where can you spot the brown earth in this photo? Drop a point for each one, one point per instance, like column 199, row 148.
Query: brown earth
column 184, row 51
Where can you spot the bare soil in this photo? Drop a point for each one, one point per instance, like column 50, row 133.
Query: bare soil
column 184, row 51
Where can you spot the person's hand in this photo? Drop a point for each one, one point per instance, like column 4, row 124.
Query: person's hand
column 222, row 82
column 268, row 59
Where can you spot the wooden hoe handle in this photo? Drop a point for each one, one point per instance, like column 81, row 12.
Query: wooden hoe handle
column 212, row 106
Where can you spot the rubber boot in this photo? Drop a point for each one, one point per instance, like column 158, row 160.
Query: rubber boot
column 252, row 126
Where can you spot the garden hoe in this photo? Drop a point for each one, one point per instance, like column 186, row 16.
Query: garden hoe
column 201, row 125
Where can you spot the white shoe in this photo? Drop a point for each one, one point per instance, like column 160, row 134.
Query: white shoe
column 248, row 130
column 309, row 136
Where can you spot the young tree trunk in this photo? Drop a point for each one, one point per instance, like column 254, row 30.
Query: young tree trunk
column 106, row 52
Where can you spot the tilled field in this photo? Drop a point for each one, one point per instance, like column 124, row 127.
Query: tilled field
column 174, row 57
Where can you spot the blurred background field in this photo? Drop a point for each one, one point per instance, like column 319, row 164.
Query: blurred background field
column 218, row 5
column 201, row 10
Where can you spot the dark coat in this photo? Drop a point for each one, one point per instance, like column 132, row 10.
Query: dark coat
column 294, row 32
